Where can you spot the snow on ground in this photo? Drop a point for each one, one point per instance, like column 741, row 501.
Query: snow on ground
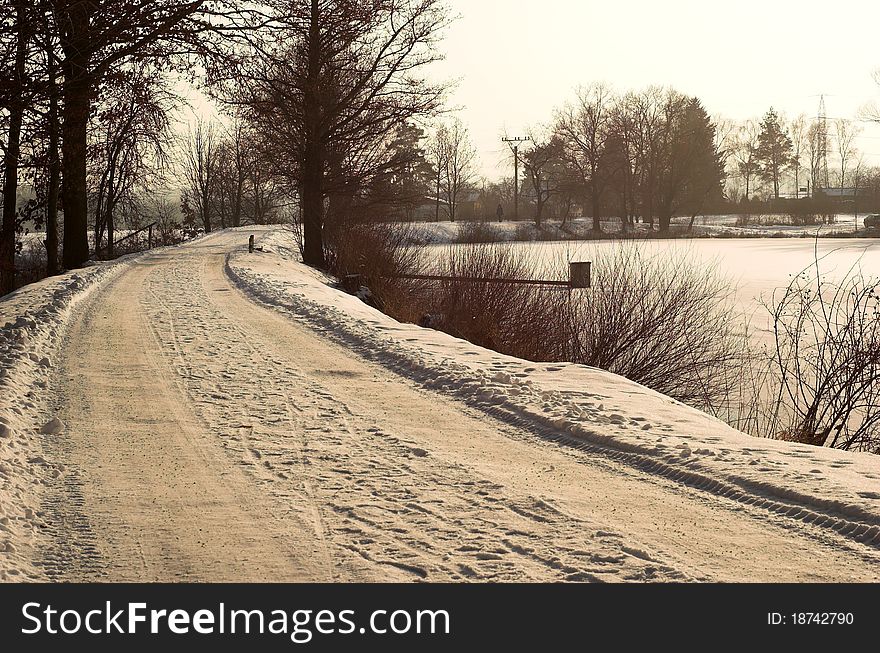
column 581, row 406
column 34, row 319
column 715, row 226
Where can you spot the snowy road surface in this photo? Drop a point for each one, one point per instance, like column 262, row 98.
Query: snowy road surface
column 211, row 437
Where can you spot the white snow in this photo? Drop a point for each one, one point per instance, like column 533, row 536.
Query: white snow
column 580, row 405
column 713, row 227
column 33, row 320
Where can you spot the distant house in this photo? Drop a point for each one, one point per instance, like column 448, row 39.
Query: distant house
column 470, row 207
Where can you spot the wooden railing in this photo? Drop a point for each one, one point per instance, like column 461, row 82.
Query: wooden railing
column 580, row 278
column 111, row 250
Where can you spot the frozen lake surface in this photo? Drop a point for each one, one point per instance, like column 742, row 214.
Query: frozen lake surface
column 757, row 267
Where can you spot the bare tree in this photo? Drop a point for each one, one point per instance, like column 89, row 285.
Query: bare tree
column 826, row 361
column 816, row 153
column 745, row 154
column 541, row 163
column 332, row 88
column 584, row 128
column 799, row 132
column 459, row 157
column 845, row 133
column 94, row 37
column 14, row 101
column 438, row 153
column 199, row 162
column 129, row 143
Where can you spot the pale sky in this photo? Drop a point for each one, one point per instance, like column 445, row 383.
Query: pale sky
column 517, row 60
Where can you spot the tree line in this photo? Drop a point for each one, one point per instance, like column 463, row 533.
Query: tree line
column 650, row 155
column 323, row 97
column 328, row 117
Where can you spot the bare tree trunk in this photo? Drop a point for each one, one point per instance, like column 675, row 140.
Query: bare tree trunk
column 52, row 211
column 437, row 203
column 77, row 91
column 110, row 226
column 10, row 160
column 239, row 194
column 313, row 163
column 54, row 177
column 597, row 221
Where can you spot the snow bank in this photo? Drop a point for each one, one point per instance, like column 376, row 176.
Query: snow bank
column 34, row 319
column 583, row 407
column 32, row 324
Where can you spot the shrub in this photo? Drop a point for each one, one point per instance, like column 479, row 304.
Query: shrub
column 380, row 253
column 825, row 367
column 477, row 232
column 663, row 320
column 515, row 319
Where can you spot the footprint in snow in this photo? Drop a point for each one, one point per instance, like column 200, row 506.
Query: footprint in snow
column 53, row 427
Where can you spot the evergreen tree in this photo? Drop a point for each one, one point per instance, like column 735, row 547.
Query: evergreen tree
column 773, row 151
column 691, row 170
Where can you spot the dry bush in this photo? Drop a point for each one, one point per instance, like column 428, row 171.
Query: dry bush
column 665, row 321
column 380, row 253
column 825, row 366
column 30, row 262
column 477, row 232
column 169, row 228
column 515, row 319
column 525, row 232
column 662, row 321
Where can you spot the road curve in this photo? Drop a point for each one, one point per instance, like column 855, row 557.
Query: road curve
column 209, row 438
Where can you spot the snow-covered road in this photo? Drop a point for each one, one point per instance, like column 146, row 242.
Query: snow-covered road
column 212, row 437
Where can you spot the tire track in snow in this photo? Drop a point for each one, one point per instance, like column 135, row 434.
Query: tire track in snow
column 849, row 522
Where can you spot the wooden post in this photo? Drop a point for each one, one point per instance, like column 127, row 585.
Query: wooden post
column 251, row 245
column 580, row 275
column 150, row 238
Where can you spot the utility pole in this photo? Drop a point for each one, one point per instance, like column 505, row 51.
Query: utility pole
column 514, row 144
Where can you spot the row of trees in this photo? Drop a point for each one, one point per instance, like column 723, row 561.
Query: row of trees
column 642, row 156
column 655, row 154
column 81, row 101
column 645, row 156
column 326, row 93
column 331, row 108
column 774, row 152
column 226, row 182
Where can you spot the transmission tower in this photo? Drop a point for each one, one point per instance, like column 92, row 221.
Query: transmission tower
column 822, row 137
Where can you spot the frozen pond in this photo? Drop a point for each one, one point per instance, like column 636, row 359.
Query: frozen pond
column 757, row 267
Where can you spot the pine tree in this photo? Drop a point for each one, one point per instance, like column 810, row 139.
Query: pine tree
column 773, row 151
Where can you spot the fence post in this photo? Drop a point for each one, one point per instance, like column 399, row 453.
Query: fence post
column 580, row 275
column 251, row 245
column 150, row 238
